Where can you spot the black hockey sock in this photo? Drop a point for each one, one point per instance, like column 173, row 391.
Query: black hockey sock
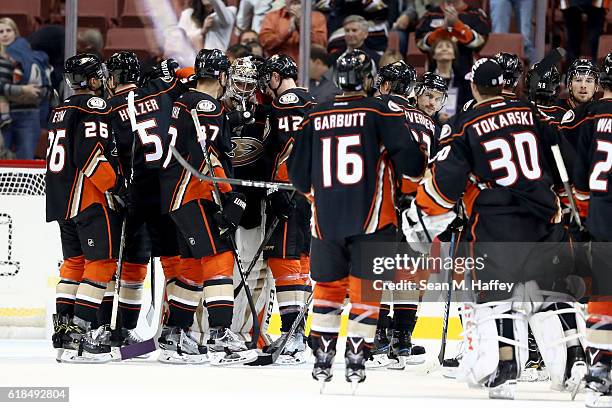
column 404, row 317
column 65, row 293
column 287, row 319
column 183, row 303
column 384, row 321
column 106, row 308
column 219, row 300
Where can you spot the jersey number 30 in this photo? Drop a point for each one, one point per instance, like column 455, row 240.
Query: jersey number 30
column 349, row 165
column 526, row 148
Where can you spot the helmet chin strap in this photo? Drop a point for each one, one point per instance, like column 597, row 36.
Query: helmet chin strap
column 275, row 90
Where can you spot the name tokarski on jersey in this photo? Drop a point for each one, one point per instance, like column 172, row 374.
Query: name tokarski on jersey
column 502, row 120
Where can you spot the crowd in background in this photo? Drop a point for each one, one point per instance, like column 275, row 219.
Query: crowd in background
column 448, row 32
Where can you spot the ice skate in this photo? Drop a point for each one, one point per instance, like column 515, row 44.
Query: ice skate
column 503, row 383
column 178, row 347
column 598, row 386
column 294, row 351
column 380, row 353
column 576, row 369
column 324, row 350
column 401, row 348
column 227, row 348
column 126, row 337
column 354, row 357
column 83, row 346
column 450, row 365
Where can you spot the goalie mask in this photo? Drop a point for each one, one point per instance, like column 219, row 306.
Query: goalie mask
column 243, row 78
column 400, row 75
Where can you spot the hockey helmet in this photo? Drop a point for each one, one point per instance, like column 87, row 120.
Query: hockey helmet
column 210, row 64
column 548, row 86
column 124, row 67
column 400, row 75
column 282, row 64
column 605, row 77
column 433, row 82
column 512, row 66
column 352, row 69
column 80, row 68
column 581, row 67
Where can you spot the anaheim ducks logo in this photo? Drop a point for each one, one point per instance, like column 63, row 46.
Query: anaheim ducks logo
column 245, row 150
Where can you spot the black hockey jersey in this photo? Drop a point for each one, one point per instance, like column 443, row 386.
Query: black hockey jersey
column 178, row 186
column 500, row 154
column 555, row 112
column 153, row 105
column 593, row 168
column 288, row 112
column 422, row 128
column 80, row 146
column 348, row 155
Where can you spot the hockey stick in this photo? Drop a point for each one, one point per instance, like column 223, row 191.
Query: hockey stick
column 263, row 244
column 232, row 181
column 217, row 195
column 565, row 179
column 132, row 115
column 151, row 310
column 449, row 293
column 271, row 357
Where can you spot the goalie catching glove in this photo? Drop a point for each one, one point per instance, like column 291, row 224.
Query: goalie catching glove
column 234, row 205
column 420, row 229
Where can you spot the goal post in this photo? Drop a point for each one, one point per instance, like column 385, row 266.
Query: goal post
column 30, row 251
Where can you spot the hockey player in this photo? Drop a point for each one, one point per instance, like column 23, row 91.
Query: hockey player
column 431, row 93
column 393, row 346
column 347, row 157
column 592, row 180
column 80, row 183
column 509, row 200
column 581, row 82
column 289, row 248
column 147, row 230
column 545, row 92
column 207, row 259
column 513, row 69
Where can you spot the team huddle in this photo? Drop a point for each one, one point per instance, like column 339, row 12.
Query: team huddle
column 150, row 165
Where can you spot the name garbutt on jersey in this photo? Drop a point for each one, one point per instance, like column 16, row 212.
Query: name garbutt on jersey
column 424, row 285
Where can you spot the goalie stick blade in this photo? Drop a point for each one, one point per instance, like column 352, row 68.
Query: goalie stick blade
column 138, row 349
column 232, row 181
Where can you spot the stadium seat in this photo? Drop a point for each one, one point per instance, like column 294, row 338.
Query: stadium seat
column 97, row 14
column 393, row 41
column 415, row 57
column 507, row 42
column 26, row 13
column 605, row 46
column 133, row 14
column 139, row 40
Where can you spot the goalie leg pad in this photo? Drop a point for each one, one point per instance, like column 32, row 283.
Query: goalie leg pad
column 549, row 336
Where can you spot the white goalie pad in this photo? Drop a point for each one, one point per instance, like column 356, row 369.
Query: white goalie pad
column 482, row 340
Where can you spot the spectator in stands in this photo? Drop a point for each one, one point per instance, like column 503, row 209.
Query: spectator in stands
column 23, row 132
column 321, row 87
column 442, row 61
column 464, row 24
column 208, row 23
column 501, row 11
column 251, row 13
column 50, row 40
column 237, row 51
column 91, row 41
column 255, row 48
column 355, row 34
column 280, row 30
column 573, row 10
column 403, row 19
column 248, row 36
column 7, row 70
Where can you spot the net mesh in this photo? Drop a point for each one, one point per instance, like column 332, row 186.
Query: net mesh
column 22, row 182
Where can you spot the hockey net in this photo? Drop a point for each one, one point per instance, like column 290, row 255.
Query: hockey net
column 30, row 251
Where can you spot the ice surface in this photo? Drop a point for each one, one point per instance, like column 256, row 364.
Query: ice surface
column 146, row 383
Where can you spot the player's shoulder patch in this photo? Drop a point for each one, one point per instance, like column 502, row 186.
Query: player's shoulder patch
column 445, row 132
column 568, row 117
column 206, row 106
column 394, row 107
column 288, row 98
column 96, row 103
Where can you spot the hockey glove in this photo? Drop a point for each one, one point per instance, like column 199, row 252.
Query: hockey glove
column 121, row 194
column 280, row 204
column 227, row 220
column 421, row 229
